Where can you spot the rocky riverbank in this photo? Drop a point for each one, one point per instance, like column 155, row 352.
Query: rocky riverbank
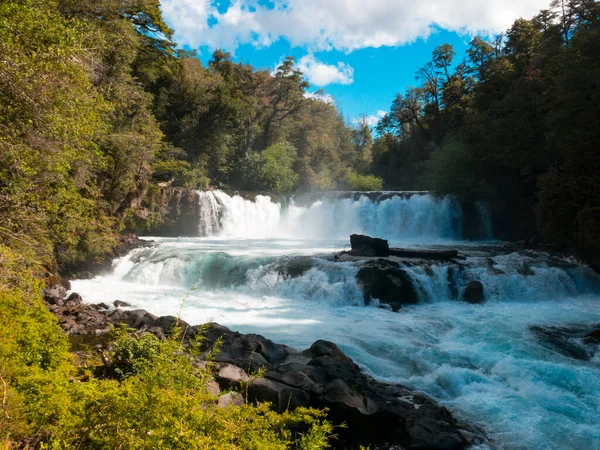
column 321, row 376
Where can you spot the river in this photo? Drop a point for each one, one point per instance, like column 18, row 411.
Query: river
column 488, row 363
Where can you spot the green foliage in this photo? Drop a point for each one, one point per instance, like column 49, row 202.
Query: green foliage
column 271, row 170
column 524, row 108
column 357, row 182
column 133, row 355
column 50, row 117
column 451, row 169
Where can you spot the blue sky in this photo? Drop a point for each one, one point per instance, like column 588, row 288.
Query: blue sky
column 362, row 52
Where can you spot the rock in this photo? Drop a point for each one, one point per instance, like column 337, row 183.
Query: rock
column 524, row 268
column 249, row 351
column 593, row 337
column 281, row 396
column 473, row 293
column 297, row 266
column 65, row 283
column 491, row 267
column 119, row 304
column 134, row 319
column 231, row 399
column 230, row 376
column 100, row 306
column 54, row 294
column 433, row 427
column 572, row 342
column 443, row 255
column 213, row 388
column 325, row 348
column 73, row 300
column 386, row 281
column 367, row 246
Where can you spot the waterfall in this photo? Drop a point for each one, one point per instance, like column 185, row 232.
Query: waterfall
column 412, row 216
column 210, row 212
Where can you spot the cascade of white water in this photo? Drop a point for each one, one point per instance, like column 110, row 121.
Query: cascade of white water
column 418, row 216
column 210, row 211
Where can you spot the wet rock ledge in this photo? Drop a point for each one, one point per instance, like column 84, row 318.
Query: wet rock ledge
column 380, row 414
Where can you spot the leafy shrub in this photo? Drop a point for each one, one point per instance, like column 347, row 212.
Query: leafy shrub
column 357, row 182
column 271, row 170
column 133, row 354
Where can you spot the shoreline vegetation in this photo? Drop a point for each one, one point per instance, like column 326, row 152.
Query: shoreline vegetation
column 101, row 114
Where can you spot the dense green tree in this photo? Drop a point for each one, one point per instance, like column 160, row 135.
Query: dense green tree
column 514, row 124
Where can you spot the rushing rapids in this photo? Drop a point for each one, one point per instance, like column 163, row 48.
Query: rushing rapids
column 518, row 364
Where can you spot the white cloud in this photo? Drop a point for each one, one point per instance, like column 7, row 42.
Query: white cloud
column 372, row 119
column 341, row 24
column 321, row 74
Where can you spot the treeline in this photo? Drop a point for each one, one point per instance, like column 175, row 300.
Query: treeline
column 516, row 123
column 98, row 109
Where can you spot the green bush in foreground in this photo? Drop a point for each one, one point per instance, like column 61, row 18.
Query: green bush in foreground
column 160, row 399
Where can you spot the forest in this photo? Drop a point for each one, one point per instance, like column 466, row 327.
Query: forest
column 515, row 123
column 100, row 111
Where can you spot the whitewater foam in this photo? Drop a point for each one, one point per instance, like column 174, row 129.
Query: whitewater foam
column 416, row 217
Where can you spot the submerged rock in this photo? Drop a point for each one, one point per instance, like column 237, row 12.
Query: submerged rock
column 296, row 266
column 573, row 342
column 386, row 281
column 367, row 246
column 593, row 337
column 473, row 293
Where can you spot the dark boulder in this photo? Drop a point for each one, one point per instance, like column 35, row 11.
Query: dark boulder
column 432, row 427
column 367, row 246
column 572, row 342
column 441, row 255
column 386, row 281
column 249, row 351
column 133, row 319
column 169, row 323
column 73, row 300
column 473, row 293
column 119, row 304
column 100, row 306
column 593, row 337
column 296, row 266
column 281, row 396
